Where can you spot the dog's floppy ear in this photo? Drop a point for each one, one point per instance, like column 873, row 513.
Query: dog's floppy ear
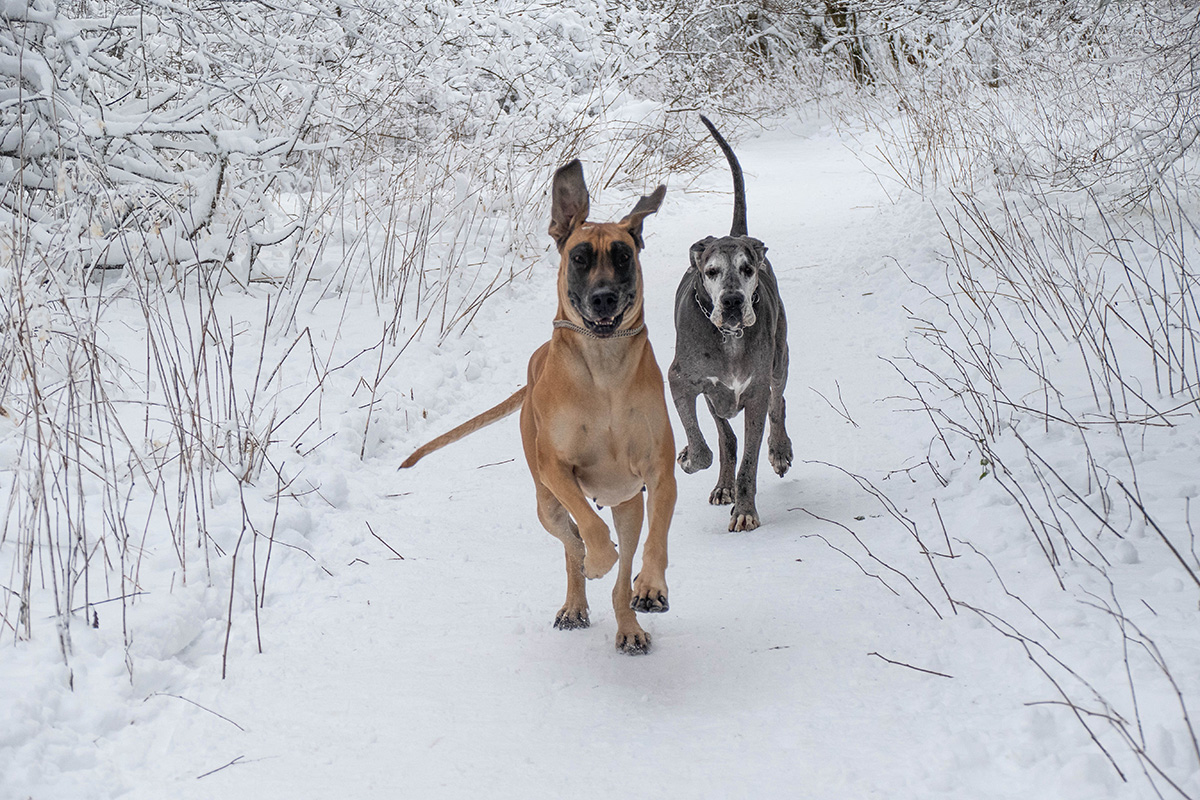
column 644, row 208
column 569, row 202
column 695, row 251
column 757, row 247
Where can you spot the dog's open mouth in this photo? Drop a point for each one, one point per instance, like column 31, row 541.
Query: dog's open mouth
column 605, row 326
column 729, row 326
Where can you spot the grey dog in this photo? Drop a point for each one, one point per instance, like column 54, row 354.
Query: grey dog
column 731, row 346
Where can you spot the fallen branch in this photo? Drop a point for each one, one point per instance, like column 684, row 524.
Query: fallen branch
column 218, row 769
column 910, row 666
column 381, row 541
column 202, row 708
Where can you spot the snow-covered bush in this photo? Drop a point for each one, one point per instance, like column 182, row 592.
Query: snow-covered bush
column 1057, row 358
column 138, row 134
column 1059, row 363
column 1069, row 95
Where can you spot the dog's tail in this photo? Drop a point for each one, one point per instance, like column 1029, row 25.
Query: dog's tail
column 493, row 414
column 739, row 186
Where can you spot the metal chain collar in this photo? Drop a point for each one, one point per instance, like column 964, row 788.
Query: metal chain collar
column 625, row 334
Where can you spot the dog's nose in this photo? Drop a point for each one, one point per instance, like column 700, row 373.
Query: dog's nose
column 732, row 302
column 604, row 303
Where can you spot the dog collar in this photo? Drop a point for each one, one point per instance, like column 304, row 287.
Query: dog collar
column 571, row 326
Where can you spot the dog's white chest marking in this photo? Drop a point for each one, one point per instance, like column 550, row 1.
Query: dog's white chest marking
column 735, row 385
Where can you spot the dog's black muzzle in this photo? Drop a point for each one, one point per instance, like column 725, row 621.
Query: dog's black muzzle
column 603, row 309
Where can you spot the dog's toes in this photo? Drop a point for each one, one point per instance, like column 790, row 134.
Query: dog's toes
column 633, row 643
column 721, row 496
column 597, row 561
column 694, row 461
column 570, row 619
column 780, row 457
column 651, row 604
column 743, row 521
column 649, row 595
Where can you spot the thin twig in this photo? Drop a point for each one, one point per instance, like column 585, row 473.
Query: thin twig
column 910, row 666
column 1146, row 515
column 197, row 705
column 218, row 769
column 381, row 541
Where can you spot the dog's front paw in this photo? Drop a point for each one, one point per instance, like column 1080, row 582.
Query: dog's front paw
column 569, row 619
column 597, row 561
column 695, row 460
column 648, row 604
column 780, row 455
column 649, row 597
column 743, row 518
column 633, row 642
column 721, row 496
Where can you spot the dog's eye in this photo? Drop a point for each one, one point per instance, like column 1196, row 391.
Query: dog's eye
column 711, row 273
column 579, row 260
column 747, row 270
column 621, row 256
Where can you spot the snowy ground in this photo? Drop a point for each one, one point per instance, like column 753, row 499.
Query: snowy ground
column 439, row 675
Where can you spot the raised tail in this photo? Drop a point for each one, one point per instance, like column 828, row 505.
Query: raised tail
column 493, row 414
column 739, row 186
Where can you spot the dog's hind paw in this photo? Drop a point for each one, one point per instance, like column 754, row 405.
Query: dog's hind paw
column 780, row 456
column 694, row 461
column 570, row 619
column 743, row 521
column 636, row 643
column 721, row 496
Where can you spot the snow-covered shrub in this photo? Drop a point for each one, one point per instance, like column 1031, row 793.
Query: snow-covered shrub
column 1060, row 365
column 741, row 57
column 1067, row 95
column 1058, row 357
column 144, row 146
column 139, row 135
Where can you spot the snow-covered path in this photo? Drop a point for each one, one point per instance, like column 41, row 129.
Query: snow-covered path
column 439, row 675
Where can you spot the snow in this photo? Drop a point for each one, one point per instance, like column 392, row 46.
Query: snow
column 436, row 673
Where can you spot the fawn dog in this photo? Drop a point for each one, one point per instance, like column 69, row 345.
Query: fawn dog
column 594, row 418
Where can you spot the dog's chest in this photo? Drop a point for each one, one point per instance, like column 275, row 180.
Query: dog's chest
column 608, row 452
column 727, row 392
column 605, row 419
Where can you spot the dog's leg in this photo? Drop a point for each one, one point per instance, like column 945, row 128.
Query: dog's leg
column 556, row 520
column 723, row 494
column 779, row 446
column 627, row 518
column 650, row 586
column 744, row 516
column 695, row 455
column 599, row 551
